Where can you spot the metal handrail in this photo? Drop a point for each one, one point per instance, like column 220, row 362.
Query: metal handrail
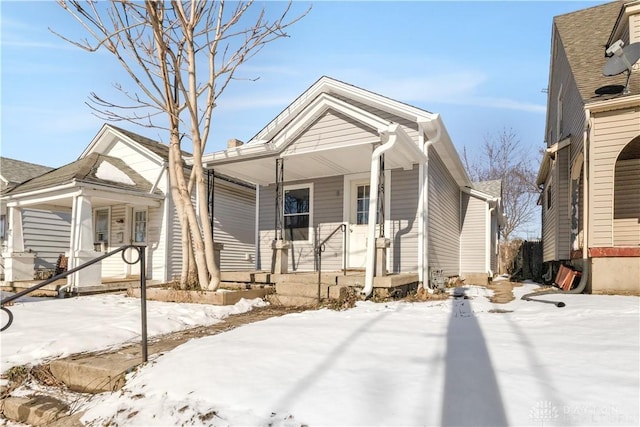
column 320, row 247
column 143, row 287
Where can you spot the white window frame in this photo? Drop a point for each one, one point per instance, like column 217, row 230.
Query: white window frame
column 95, row 225
column 298, row 187
column 146, row 225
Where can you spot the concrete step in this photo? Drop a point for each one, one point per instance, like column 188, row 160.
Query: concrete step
column 310, row 290
column 96, row 374
column 35, row 411
column 293, row 301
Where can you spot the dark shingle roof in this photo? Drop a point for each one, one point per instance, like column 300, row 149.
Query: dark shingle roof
column 85, row 170
column 17, row 171
column 584, row 35
column 492, row 188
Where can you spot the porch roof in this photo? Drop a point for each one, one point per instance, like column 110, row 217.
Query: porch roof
column 255, row 161
column 104, row 177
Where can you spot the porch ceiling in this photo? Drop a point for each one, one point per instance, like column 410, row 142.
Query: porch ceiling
column 308, row 165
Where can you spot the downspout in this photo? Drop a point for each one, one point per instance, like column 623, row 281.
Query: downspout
column 256, row 236
column 423, row 206
column 489, row 239
column 424, row 267
column 370, row 259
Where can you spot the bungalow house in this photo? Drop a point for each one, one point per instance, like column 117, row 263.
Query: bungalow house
column 590, row 173
column 117, row 193
column 45, row 246
column 343, row 158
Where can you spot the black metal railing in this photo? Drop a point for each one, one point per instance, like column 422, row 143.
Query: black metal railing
column 320, row 247
column 140, row 249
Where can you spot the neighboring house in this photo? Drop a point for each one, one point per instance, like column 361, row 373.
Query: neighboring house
column 118, row 193
column 317, row 165
column 45, row 231
column 590, row 173
column 481, row 219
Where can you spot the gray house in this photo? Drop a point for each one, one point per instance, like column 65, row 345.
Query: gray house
column 117, row 193
column 37, row 224
column 340, row 156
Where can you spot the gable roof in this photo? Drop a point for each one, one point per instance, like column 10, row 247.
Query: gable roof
column 156, row 149
column 16, row 171
column 95, row 168
column 380, row 114
column 584, row 36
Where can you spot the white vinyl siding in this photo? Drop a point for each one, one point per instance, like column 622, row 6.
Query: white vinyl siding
column 473, row 244
column 47, row 234
column 611, row 132
column 626, row 221
column 444, row 218
column 403, row 220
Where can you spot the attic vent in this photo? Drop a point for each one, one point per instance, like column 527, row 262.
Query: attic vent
column 108, row 172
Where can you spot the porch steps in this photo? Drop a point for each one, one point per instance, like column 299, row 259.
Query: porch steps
column 39, row 411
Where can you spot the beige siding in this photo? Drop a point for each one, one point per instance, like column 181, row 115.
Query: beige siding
column 47, row 234
column 174, row 243
column 331, row 130
column 611, row 132
column 444, row 218
column 627, row 203
column 634, row 28
column 403, row 221
column 473, row 245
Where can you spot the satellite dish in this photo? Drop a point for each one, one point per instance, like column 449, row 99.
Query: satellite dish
column 622, row 59
column 609, row 90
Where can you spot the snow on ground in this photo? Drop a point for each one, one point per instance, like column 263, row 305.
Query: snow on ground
column 451, row 362
column 46, row 328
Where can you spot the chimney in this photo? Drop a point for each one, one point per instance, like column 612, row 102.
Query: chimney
column 234, row 143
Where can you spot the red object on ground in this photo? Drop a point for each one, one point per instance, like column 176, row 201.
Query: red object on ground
column 565, row 277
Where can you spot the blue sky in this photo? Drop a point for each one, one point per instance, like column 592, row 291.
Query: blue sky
column 481, row 65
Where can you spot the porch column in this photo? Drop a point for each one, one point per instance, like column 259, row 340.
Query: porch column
column 279, row 246
column 82, row 248
column 18, row 264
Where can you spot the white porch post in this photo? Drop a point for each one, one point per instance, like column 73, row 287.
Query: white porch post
column 18, row 264
column 82, row 249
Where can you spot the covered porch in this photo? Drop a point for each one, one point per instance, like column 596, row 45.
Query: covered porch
column 110, row 206
column 342, row 183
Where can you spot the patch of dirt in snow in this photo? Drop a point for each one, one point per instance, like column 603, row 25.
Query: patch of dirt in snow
column 502, row 291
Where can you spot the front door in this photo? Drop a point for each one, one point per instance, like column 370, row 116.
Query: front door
column 138, row 237
column 358, row 224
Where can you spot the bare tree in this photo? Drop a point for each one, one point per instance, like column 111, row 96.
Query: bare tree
column 181, row 56
column 503, row 157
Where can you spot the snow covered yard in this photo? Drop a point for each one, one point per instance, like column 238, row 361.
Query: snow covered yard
column 452, row 362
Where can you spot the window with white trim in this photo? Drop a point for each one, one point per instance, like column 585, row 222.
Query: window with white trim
column 101, row 225
column 139, row 226
column 362, row 204
column 297, row 212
